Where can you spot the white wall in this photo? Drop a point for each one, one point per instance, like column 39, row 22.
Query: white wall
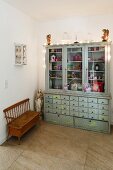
column 16, row 27
column 80, row 25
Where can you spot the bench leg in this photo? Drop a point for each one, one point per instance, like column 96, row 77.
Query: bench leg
column 18, row 140
column 7, row 135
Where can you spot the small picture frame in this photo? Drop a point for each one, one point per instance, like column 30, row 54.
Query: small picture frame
column 20, row 54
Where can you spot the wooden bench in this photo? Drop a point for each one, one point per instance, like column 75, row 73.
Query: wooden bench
column 20, row 118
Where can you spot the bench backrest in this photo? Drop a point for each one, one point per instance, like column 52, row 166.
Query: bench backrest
column 16, row 110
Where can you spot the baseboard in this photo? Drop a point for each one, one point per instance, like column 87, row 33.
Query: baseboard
column 2, row 141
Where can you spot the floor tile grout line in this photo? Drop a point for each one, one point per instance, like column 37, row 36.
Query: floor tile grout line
column 87, row 153
column 15, row 159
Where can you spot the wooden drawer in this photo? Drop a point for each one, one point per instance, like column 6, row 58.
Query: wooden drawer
column 92, row 105
column 93, row 116
column 64, row 107
column 83, row 110
column 47, row 100
column 83, row 99
column 93, row 111
column 73, row 98
column 64, row 97
column 64, row 102
column 91, row 124
column 56, row 106
column 51, row 118
column 56, row 97
column 56, row 101
column 73, row 103
column 102, row 101
column 48, row 110
column 65, row 112
column 92, row 100
column 57, row 111
column 74, row 113
column 103, row 117
column 48, row 105
column 66, row 120
column 48, row 96
column 83, row 104
column 74, row 109
column 103, row 112
column 103, row 107
column 83, row 115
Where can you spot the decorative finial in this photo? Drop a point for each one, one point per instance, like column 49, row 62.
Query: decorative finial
column 48, row 37
column 105, row 35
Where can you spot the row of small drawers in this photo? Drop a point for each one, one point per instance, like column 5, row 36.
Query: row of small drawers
column 97, row 116
column 74, row 98
column 80, row 104
column 76, row 109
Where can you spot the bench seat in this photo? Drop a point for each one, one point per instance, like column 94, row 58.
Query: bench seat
column 20, row 118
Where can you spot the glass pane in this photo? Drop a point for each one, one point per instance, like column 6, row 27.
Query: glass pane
column 96, row 69
column 74, row 69
column 55, row 68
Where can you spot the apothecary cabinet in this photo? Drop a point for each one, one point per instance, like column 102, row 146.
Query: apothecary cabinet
column 77, row 91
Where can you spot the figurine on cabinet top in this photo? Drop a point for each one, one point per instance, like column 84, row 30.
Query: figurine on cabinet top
column 39, row 101
column 48, row 37
column 105, row 34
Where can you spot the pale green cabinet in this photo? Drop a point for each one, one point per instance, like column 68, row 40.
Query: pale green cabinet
column 76, row 111
column 77, row 85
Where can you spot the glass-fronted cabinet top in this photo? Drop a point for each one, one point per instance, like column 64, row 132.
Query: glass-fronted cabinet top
column 55, row 68
column 96, row 68
column 78, row 67
column 74, row 68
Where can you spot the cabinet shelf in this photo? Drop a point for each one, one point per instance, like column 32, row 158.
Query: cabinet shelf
column 74, row 61
column 96, row 71
column 55, row 70
column 75, row 78
column 55, row 78
column 96, row 61
column 96, row 79
column 75, row 70
column 55, row 61
column 98, row 51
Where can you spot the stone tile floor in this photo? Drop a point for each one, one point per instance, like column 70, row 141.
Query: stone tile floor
column 53, row 147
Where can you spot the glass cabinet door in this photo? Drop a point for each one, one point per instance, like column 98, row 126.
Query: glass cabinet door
column 96, row 68
column 74, row 68
column 55, row 68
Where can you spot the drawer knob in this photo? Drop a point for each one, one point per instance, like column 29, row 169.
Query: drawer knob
column 64, row 98
column 48, row 106
column 103, row 113
column 92, row 112
column 92, row 106
column 56, row 107
column 73, row 104
column 82, row 105
column 102, row 102
column 92, row 101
